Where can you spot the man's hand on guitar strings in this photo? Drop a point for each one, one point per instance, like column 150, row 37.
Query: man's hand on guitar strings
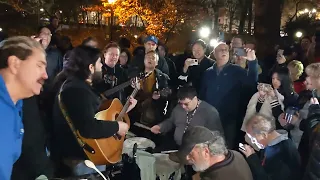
column 123, row 128
column 133, row 102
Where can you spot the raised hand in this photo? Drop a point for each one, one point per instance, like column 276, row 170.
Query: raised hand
column 251, row 55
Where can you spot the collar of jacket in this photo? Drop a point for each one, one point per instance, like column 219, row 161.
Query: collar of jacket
column 229, row 158
column 283, row 136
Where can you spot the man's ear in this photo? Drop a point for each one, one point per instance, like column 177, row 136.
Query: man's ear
column 91, row 68
column 14, row 64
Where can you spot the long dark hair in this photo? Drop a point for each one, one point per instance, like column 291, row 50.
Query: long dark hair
column 286, row 87
column 128, row 54
column 79, row 60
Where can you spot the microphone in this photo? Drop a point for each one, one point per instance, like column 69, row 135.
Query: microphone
column 92, row 166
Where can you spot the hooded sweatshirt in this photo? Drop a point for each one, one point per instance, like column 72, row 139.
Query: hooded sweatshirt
column 11, row 131
column 280, row 160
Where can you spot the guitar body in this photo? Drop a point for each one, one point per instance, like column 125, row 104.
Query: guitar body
column 107, row 150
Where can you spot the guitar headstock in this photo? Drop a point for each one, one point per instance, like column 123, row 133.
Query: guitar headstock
column 143, row 75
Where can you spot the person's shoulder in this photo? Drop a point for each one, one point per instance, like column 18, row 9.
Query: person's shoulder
column 76, row 86
column 161, row 74
column 53, row 50
column 207, row 106
column 209, row 60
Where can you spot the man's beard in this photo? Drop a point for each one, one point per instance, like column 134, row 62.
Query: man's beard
column 201, row 166
column 96, row 77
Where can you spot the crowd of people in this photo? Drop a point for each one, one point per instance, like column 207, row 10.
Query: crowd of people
column 230, row 117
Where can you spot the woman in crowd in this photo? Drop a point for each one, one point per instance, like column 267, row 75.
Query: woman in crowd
column 296, row 69
column 124, row 58
column 282, row 83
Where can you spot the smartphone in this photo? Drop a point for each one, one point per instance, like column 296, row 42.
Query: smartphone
column 264, row 87
column 241, row 146
column 314, row 93
column 239, row 52
column 194, row 62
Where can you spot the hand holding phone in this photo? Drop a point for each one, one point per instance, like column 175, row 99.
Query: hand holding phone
column 240, row 52
column 241, row 146
column 194, row 62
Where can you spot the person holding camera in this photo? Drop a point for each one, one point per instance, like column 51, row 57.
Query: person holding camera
column 194, row 67
column 228, row 87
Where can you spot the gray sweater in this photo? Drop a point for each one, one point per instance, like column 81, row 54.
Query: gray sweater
column 206, row 116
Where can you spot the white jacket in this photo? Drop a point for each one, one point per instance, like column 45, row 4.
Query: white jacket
column 265, row 108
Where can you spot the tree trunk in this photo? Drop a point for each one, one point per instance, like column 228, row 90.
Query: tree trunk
column 250, row 15
column 216, row 22
column 267, row 25
column 230, row 22
column 243, row 15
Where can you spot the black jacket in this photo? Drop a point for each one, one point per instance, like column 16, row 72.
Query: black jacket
column 313, row 132
column 33, row 161
column 108, row 73
column 54, row 65
column 194, row 73
column 159, row 105
column 81, row 104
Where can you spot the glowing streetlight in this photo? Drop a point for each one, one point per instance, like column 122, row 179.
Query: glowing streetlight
column 306, row 10
column 136, row 36
column 0, row 29
column 111, row 1
column 60, row 12
column 41, row 9
column 299, row 34
column 204, row 32
column 213, row 42
column 314, row 10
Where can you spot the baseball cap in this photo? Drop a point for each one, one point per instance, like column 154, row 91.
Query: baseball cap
column 151, row 38
column 194, row 135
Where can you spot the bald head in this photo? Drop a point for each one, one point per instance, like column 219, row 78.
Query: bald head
column 221, row 53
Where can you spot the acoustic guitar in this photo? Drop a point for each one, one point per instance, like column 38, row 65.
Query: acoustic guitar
column 109, row 150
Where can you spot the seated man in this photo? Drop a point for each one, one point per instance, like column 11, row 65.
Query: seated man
column 280, row 159
column 190, row 112
column 206, row 151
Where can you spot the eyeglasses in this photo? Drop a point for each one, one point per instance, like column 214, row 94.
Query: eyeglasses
column 185, row 103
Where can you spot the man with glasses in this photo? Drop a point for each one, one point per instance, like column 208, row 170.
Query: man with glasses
column 228, row 88
column 189, row 112
column 279, row 157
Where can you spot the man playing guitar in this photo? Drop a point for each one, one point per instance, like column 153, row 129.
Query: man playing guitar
column 80, row 104
column 153, row 101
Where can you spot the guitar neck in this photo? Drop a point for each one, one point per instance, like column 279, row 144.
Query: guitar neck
column 115, row 89
column 126, row 106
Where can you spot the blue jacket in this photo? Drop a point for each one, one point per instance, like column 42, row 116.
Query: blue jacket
column 11, row 131
column 217, row 88
column 228, row 90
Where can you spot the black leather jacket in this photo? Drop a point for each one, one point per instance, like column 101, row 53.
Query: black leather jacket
column 313, row 167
